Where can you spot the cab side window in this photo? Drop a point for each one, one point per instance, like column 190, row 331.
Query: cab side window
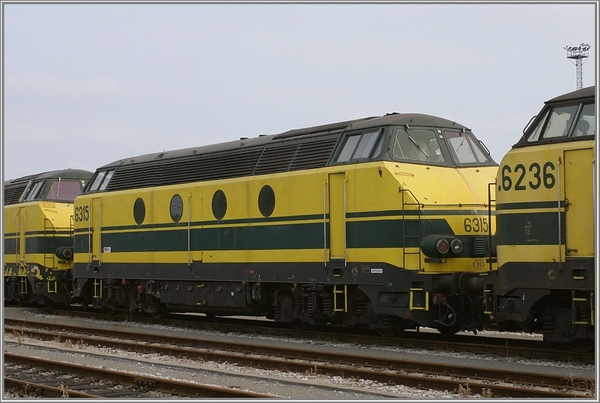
column 361, row 146
column 586, row 124
column 100, row 181
column 33, row 191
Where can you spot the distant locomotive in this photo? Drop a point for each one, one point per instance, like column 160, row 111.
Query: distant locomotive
column 546, row 192
column 380, row 222
column 38, row 236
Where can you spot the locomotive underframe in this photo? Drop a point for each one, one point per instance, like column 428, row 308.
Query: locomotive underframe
column 557, row 301
column 294, row 293
column 32, row 284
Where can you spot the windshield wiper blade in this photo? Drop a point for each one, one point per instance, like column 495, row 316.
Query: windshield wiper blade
column 415, row 143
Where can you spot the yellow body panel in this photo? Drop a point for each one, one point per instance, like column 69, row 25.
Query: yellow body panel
column 551, row 180
column 28, row 221
column 371, row 188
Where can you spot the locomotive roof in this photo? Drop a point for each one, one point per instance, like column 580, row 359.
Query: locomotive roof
column 587, row 92
column 584, row 95
column 390, row 119
column 14, row 188
column 62, row 173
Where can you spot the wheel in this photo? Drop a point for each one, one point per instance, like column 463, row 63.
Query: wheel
column 582, row 346
column 157, row 315
column 386, row 332
column 160, row 313
column 300, row 325
column 449, row 331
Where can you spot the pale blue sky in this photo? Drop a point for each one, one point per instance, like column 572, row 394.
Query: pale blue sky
column 87, row 84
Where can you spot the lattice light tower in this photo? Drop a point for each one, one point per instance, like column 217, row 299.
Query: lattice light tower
column 578, row 54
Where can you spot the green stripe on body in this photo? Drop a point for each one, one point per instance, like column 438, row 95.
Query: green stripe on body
column 359, row 234
column 530, row 228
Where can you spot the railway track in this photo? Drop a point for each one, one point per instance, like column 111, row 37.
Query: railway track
column 137, row 385
column 503, row 346
column 388, row 370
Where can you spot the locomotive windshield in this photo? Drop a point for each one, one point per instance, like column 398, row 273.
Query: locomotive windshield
column 466, row 149
column 428, row 145
column 417, row 145
column 564, row 121
column 54, row 189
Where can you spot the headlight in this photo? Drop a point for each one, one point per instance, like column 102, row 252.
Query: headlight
column 456, row 246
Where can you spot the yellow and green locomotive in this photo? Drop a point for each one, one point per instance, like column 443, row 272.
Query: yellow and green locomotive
column 546, row 192
column 38, row 236
column 380, row 222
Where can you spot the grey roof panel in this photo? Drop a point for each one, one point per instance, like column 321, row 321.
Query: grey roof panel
column 415, row 119
column 587, row 92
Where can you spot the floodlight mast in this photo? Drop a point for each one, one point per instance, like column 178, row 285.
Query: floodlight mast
column 579, row 54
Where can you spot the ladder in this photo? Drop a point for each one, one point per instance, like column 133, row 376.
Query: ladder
column 340, row 298
column 583, row 307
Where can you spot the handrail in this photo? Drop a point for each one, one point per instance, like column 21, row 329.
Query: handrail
column 325, row 224
column 189, row 235
column 559, row 223
column 490, row 201
column 404, row 236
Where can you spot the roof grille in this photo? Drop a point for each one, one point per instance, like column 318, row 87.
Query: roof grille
column 272, row 158
column 13, row 194
column 135, row 176
column 276, row 159
column 209, row 167
column 314, row 154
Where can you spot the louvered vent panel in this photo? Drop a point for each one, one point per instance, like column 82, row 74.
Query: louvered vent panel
column 136, row 176
column 230, row 164
column 314, row 154
column 210, row 167
column 276, row 159
column 13, row 194
column 479, row 246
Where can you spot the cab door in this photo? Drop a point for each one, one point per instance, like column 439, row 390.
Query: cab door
column 21, row 229
column 580, row 210
column 96, row 233
column 192, row 213
column 337, row 218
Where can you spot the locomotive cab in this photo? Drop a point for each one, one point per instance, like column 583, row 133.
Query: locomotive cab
column 38, row 236
column 546, row 190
